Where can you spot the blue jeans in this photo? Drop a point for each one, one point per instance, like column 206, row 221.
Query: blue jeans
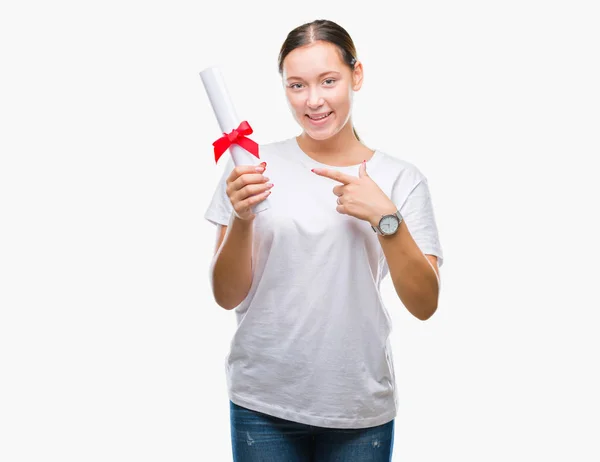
column 258, row 437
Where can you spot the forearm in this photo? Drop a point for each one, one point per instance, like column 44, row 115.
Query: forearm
column 414, row 278
column 231, row 268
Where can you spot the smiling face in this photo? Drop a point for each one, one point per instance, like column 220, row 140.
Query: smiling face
column 319, row 87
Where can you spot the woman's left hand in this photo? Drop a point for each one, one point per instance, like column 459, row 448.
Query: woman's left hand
column 360, row 196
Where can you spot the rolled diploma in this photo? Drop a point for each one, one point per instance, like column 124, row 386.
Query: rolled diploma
column 228, row 120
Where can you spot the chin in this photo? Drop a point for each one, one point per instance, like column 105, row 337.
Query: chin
column 320, row 135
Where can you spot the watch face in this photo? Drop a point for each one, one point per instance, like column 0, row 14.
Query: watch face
column 389, row 224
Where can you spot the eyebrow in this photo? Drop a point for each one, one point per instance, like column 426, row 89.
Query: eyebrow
column 320, row 75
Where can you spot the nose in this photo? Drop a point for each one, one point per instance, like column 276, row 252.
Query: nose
column 314, row 99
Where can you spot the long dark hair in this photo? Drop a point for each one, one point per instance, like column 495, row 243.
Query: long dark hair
column 320, row 29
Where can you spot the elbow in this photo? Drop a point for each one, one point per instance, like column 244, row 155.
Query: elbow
column 426, row 314
column 218, row 297
column 227, row 303
column 227, row 298
column 425, row 304
column 420, row 306
column 221, row 295
column 422, row 311
column 225, row 306
column 229, row 289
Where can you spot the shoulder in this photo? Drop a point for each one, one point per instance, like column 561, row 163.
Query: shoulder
column 401, row 169
column 280, row 155
column 274, row 148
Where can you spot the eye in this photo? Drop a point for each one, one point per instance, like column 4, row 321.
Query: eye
column 329, row 80
column 292, row 85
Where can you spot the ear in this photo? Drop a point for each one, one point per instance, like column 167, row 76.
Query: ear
column 357, row 76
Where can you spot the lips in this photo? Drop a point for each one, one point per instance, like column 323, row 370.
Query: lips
column 319, row 116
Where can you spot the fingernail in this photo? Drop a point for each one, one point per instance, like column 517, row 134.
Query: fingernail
column 264, row 164
column 260, row 169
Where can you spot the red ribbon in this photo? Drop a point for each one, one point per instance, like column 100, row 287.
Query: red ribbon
column 237, row 136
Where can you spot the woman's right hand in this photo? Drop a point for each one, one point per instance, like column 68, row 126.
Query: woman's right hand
column 247, row 186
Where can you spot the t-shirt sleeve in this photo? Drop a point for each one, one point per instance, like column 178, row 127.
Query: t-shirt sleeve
column 417, row 211
column 220, row 209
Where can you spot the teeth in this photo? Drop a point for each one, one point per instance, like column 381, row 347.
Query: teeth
column 322, row 117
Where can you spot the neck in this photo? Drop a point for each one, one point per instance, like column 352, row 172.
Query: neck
column 342, row 142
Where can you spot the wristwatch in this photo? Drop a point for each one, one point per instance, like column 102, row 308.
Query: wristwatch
column 388, row 224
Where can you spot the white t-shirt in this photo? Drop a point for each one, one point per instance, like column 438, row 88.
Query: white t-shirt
column 312, row 339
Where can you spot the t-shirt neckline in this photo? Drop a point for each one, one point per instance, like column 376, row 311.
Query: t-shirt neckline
column 309, row 161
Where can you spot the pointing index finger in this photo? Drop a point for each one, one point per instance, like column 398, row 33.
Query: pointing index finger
column 334, row 175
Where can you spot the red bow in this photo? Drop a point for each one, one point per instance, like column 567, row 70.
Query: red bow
column 237, row 136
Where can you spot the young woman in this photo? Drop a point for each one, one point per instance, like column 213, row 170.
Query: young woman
column 310, row 372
